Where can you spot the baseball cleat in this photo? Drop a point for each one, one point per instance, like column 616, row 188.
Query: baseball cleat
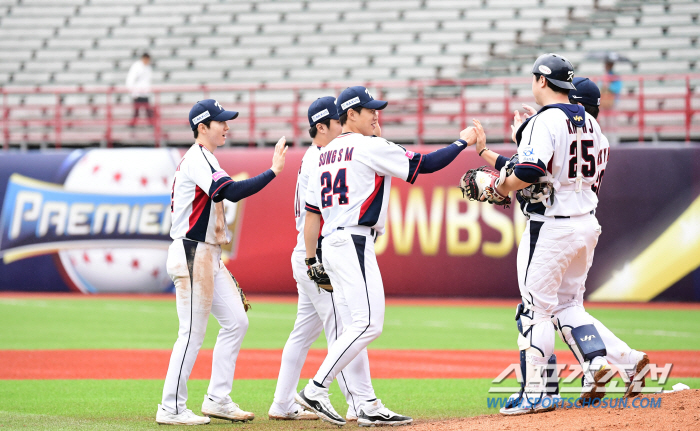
column 518, row 404
column 351, row 417
column 375, row 414
column 634, row 386
column 228, row 411
column 297, row 415
column 164, row 417
column 601, row 377
column 316, row 399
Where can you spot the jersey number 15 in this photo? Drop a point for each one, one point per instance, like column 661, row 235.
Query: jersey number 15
column 330, row 188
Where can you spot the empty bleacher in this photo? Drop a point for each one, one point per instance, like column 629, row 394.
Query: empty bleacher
column 79, row 43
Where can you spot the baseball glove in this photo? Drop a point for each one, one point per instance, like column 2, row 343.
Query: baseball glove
column 480, row 185
column 318, row 275
column 244, row 300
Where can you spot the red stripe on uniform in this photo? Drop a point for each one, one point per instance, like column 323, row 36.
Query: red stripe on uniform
column 312, row 209
column 217, row 190
column 413, row 178
column 200, row 201
column 533, row 166
column 365, row 205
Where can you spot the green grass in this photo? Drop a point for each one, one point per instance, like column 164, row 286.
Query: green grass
column 147, row 324
column 131, row 404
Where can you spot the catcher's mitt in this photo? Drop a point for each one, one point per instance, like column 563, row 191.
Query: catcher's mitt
column 480, row 185
column 244, row 300
column 318, row 275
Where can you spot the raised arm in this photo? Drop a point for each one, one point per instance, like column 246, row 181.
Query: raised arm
column 237, row 190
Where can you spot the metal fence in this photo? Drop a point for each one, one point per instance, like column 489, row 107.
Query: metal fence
column 650, row 108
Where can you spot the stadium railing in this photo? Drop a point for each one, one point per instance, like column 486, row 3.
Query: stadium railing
column 651, row 107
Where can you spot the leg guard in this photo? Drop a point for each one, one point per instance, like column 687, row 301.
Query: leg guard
column 537, row 362
column 587, row 345
column 552, row 381
column 589, row 342
column 576, row 328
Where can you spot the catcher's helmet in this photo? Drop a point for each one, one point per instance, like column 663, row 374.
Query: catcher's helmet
column 557, row 69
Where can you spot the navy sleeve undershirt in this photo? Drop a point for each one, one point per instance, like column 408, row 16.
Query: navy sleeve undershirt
column 237, row 190
column 438, row 159
column 501, row 162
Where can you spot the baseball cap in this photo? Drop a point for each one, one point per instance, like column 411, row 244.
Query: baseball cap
column 357, row 96
column 556, row 69
column 321, row 109
column 586, row 92
column 209, row 108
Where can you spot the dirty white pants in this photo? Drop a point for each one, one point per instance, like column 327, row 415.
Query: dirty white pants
column 202, row 285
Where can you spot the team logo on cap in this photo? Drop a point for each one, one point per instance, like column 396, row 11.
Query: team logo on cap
column 544, row 69
column 571, row 75
column 199, row 118
column 216, row 102
column 317, row 116
column 349, row 103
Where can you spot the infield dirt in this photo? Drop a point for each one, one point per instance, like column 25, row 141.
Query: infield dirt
column 679, row 411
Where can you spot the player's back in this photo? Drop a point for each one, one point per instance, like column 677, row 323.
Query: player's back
column 353, row 180
column 551, row 138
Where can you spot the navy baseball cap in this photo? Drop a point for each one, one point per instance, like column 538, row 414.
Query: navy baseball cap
column 586, row 92
column 321, row 109
column 209, row 109
column 357, row 96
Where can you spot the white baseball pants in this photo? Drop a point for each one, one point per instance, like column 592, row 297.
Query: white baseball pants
column 553, row 261
column 202, row 285
column 316, row 312
column 351, row 264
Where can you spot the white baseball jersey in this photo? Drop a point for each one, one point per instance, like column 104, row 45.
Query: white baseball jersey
column 548, row 146
column 308, row 168
column 197, row 209
column 352, row 184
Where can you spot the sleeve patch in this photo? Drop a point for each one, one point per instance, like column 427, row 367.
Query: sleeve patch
column 216, row 176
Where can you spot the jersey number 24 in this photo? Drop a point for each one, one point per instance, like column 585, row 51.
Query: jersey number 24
column 331, row 187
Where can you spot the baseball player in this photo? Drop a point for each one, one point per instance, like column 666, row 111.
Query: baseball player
column 317, row 308
column 350, row 190
column 587, row 94
column 202, row 282
column 558, row 194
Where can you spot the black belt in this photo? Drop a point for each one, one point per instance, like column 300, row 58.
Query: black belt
column 592, row 212
column 372, row 232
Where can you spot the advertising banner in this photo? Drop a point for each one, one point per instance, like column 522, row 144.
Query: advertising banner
column 98, row 221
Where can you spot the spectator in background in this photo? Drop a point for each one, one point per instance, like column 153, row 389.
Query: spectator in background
column 611, row 87
column 138, row 81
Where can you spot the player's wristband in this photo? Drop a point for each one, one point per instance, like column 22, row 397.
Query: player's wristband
column 310, row 261
column 482, row 151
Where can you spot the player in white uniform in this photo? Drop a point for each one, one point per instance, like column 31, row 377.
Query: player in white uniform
column 559, row 197
column 587, row 94
column 202, row 282
column 351, row 191
column 317, row 309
